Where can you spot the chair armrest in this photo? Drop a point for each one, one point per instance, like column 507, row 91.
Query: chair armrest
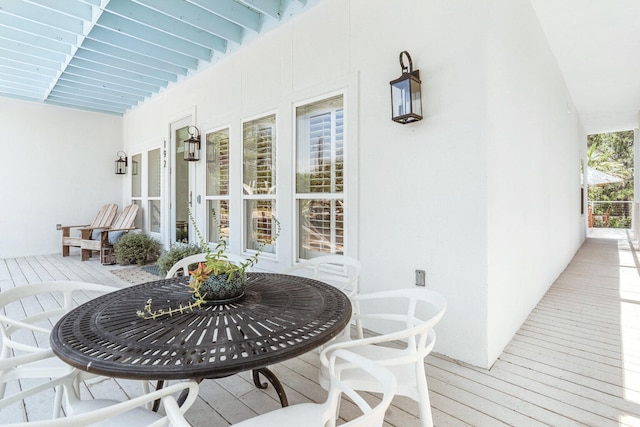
column 88, row 418
column 119, row 229
column 74, row 226
column 12, row 362
column 174, row 412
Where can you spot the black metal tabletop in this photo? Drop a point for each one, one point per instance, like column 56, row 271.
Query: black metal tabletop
column 280, row 317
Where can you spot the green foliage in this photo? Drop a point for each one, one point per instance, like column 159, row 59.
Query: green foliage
column 620, row 222
column 136, row 248
column 216, row 264
column 176, row 252
column 612, row 153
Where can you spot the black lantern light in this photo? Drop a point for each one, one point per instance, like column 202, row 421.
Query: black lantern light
column 192, row 145
column 121, row 163
column 406, row 102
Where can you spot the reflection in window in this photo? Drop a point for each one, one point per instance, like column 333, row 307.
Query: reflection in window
column 154, row 216
column 218, row 184
column 259, row 182
column 136, row 178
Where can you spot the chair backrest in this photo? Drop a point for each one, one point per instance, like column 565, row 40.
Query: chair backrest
column 27, row 314
column 126, row 218
column 58, row 297
column 412, row 322
column 337, row 270
column 371, row 416
column 419, row 310
column 106, row 412
column 182, row 266
column 105, row 216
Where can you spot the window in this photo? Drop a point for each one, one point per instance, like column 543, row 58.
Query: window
column 136, row 188
column 320, row 178
column 154, row 190
column 259, row 182
column 218, row 184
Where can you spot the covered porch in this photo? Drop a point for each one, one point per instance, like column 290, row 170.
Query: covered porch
column 574, row 361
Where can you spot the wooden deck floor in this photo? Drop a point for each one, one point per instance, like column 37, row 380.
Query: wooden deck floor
column 574, row 362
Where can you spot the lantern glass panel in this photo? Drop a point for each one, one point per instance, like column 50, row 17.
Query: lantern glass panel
column 121, row 167
column 191, row 149
column 400, row 98
column 416, row 102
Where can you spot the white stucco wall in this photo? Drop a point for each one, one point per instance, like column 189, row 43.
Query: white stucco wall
column 535, row 144
column 482, row 194
column 57, row 168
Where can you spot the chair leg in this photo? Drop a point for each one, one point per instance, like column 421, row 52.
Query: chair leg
column 57, row 403
column 424, row 403
column 86, row 254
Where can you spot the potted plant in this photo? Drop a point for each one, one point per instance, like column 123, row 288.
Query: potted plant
column 216, row 280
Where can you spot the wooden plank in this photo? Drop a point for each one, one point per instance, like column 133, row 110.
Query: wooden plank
column 574, row 361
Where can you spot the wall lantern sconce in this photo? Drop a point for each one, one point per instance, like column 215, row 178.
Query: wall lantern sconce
column 121, row 163
column 406, row 102
column 192, row 145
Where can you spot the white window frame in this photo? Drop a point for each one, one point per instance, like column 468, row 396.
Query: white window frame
column 269, row 251
column 149, row 199
column 218, row 197
column 331, row 196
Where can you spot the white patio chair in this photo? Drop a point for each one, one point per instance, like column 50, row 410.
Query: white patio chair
column 182, row 266
column 27, row 314
column 106, row 412
column 337, row 270
column 407, row 339
column 325, row 414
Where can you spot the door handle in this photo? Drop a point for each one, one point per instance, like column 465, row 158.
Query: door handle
column 190, row 199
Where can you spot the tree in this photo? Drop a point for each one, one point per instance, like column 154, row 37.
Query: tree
column 612, row 153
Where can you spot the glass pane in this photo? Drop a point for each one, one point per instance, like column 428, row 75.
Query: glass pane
column 154, row 168
column 218, row 163
column 221, row 210
column 136, row 177
column 260, row 225
column 320, row 147
column 321, row 228
column 154, row 216
column 401, row 98
column 182, row 187
column 139, row 221
column 259, row 171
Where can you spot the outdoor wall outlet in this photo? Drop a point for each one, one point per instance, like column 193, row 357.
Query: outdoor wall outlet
column 421, row 278
column 58, row 226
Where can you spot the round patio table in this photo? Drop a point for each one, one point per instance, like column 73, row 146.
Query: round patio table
column 279, row 317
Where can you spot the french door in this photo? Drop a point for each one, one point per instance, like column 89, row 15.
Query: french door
column 182, row 179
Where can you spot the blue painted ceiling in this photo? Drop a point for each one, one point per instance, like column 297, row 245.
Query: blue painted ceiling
column 109, row 56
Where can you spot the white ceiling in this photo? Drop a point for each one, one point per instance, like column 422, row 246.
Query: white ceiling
column 597, row 46
column 111, row 55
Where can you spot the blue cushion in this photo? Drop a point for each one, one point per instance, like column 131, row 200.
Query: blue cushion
column 114, row 236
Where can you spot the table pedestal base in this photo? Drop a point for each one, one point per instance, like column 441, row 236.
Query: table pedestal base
column 271, row 377
column 266, row 372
